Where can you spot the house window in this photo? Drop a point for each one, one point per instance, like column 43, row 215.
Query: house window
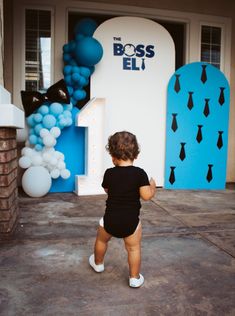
column 211, row 45
column 37, row 50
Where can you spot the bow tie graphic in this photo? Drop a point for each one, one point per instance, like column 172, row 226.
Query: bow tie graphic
column 32, row 100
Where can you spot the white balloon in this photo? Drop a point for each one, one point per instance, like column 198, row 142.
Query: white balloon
column 22, row 134
column 36, row 181
column 55, row 131
column 61, row 165
column 24, row 162
column 65, row 173
column 46, row 157
column 26, row 151
column 55, row 173
column 44, row 132
column 37, row 160
column 49, row 141
column 53, row 161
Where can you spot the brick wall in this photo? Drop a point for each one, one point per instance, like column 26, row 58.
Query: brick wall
column 9, row 210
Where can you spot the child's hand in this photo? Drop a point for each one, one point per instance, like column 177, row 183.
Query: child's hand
column 152, row 182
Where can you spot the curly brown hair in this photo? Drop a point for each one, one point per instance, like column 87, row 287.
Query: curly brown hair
column 123, row 145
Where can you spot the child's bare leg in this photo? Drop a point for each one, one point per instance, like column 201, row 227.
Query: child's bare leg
column 133, row 247
column 101, row 245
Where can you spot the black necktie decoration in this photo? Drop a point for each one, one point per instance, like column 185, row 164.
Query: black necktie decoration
column 174, row 124
column 206, row 111
column 143, row 64
column 190, row 101
column 221, row 96
column 177, row 84
column 172, row 175
column 182, row 154
column 220, row 140
column 209, row 176
column 199, row 134
column 203, row 75
column 32, row 100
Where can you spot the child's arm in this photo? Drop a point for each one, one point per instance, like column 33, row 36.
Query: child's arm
column 148, row 191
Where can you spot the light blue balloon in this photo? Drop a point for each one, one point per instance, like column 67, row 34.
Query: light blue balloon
column 67, row 113
column 68, row 107
column 49, row 121
column 33, row 139
column 40, row 141
column 56, row 109
column 38, row 117
column 31, row 131
column 69, row 121
column 38, row 147
column 62, row 122
column 43, row 109
column 37, row 128
column 30, row 120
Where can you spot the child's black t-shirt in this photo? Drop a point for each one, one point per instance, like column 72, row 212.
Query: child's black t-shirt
column 123, row 203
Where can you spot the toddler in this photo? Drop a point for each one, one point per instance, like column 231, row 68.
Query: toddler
column 125, row 184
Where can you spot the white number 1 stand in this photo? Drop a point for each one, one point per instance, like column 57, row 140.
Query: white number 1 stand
column 91, row 117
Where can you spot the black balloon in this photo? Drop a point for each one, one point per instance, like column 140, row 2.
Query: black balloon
column 32, row 100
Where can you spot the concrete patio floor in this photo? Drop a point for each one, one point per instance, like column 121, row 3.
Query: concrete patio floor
column 188, row 252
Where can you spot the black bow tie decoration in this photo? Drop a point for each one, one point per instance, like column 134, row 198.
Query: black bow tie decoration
column 32, row 100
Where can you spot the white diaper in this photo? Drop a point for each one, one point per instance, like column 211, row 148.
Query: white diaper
column 101, row 222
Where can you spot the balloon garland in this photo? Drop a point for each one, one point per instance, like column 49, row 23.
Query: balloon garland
column 48, row 114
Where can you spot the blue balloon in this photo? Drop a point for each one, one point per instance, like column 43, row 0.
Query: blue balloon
column 76, row 77
column 70, row 90
column 43, row 109
column 85, row 72
column 88, row 52
column 49, row 121
column 68, row 107
column 78, row 37
column 30, row 120
column 86, row 27
column 38, row 147
column 79, row 95
column 38, row 117
column 67, row 70
column 75, row 69
column 68, row 80
column 66, row 48
column 66, row 57
column 33, row 139
column 37, row 129
column 72, row 45
column 56, row 109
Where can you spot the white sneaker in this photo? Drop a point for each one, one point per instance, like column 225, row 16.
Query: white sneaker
column 134, row 282
column 96, row 267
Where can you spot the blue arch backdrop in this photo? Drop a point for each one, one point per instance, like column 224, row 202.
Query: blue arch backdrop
column 197, row 128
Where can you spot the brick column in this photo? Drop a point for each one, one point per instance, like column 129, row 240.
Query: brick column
column 9, row 210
